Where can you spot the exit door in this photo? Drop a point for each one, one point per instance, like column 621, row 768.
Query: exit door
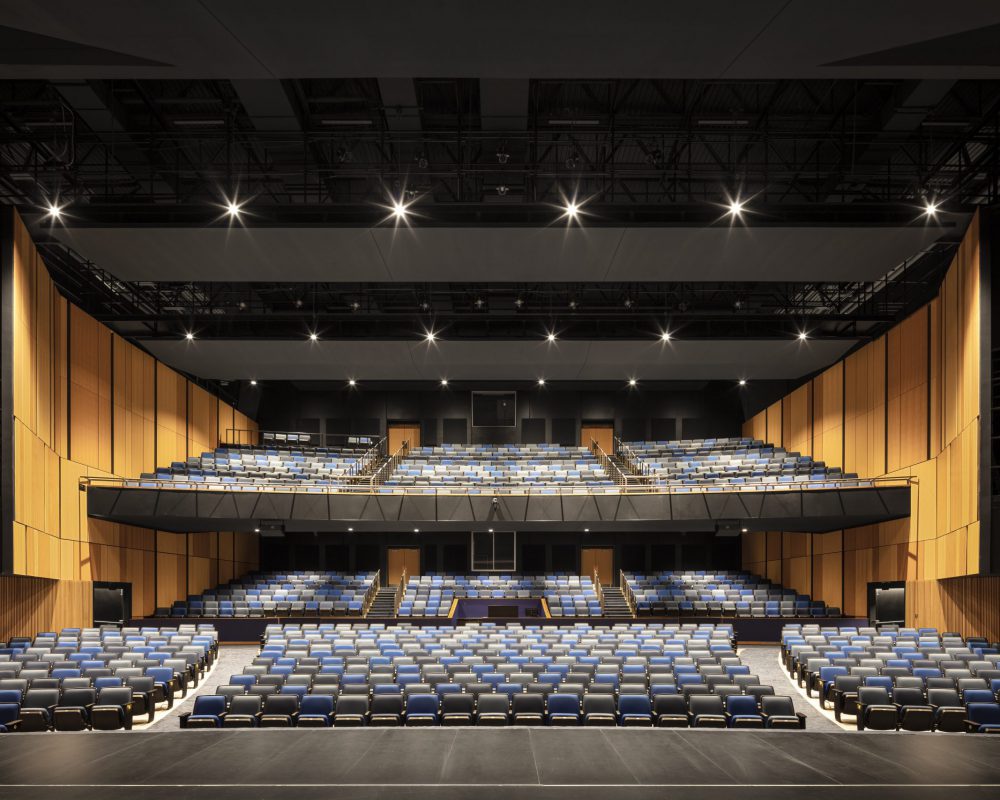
column 600, row 558
column 398, row 559
column 601, row 432
column 399, row 432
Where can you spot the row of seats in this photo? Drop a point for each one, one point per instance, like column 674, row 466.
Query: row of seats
column 898, row 679
column 374, row 671
column 566, row 595
column 99, row 678
column 723, row 593
column 265, row 594
column 458, row 709
column 735, row 462
column 531, row 465
column 231, row 466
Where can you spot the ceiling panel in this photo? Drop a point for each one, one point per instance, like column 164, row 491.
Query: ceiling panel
column 556, row 254
column 498, row 361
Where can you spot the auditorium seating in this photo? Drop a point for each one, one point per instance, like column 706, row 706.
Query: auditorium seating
column 737, row 462
column 261, row 594
column 682, row 465
column 720, row 593
column 531, row 466
column 911, row 679
column 235, row 467
column 566, row 595
column 99, row 678
column 496, row 674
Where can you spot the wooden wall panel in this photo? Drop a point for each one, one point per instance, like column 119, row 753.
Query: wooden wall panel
column 87, row 404
column 31, row 605
column 968, row 605
column 774, row 424
column 904, row 405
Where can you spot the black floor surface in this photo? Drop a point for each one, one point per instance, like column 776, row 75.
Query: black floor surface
column 507, row 763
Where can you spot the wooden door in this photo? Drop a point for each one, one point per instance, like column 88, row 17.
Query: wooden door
column 400, row 432
column 603, row 558
column 400, row 558
column 602, row 433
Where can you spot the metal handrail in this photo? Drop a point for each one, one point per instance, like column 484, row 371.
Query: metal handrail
column 371, row 458
column 502, row 491
column 369, row 598
column 630, row 457
column 253, row 437
column 627, row 593
column 400, row 591
column 391, row 463
column 605, row 461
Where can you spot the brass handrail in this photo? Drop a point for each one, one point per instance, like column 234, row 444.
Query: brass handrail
column 372, row 457
column 400, row 591
column 391, row 463
column 502, row 491
column 369, row 598
column 627, row 593
column 605, row 461
column 596, row 577
column 631, row 458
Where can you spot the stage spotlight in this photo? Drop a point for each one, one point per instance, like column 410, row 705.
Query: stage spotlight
column 541, row 381
column 189, row 336
column 743, row 381
column 633, row 382
column 736, row 207
column 352, row 382
column 54, row 211
column 551, row 337
column 313, row 336
column 665, row 336
column 803, row 335
column 930, row 208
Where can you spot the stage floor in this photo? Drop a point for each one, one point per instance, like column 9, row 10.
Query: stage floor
column 507, row 763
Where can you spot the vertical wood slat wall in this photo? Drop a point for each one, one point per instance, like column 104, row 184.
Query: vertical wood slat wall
column 31, row 605
column 88, row 403
column 907, row 404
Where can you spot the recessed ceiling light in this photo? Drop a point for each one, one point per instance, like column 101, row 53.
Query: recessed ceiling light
column 352, row 382
column 189, row 336
column 541, row 381
column 736, row 207
column 430, row 336
column 743, row 381
column 233, row 209
column 253, row 382
column 490, row 530
column 586, row 530
column 256, row 530
column 551, row 337
column 665, row 336
column 313, row 336
column 416, row 530
column 399, row 209
column 632, row 381
column 571, row 209
column 444, row 381
column 350, row 530
column 803, row 335
column 930, row 208
column 743, row 530
column 54, row 211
